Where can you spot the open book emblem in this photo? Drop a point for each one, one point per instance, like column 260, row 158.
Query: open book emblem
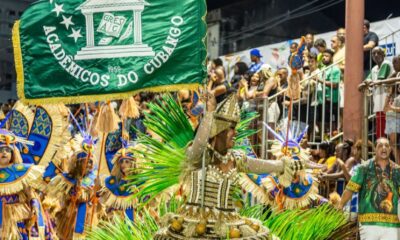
column 113, row 32
column 111, row 25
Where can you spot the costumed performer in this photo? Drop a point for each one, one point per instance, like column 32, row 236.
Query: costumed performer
column 75, row 190
column 20, row 207
column 209, row 212
column 298, row 189
column 114, row 195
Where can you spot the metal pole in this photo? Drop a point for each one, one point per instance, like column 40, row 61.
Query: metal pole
column 308, row 104
column 315, row 110
column 396, row 146
column 266, row 116
column 264, row 140
column 331, row 113
column 396, row 139
column 338, row 117
column 284, row 114
column 365, row 125
column 298, row 113
column 323, row 107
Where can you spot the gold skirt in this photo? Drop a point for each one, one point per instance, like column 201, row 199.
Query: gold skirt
column 193, row 223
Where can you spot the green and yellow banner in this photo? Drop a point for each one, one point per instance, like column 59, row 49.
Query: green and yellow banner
column 74, row 51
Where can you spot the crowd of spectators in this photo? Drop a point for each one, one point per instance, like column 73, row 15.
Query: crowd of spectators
column 312, row 90
column 316, row 70
column 6, row 107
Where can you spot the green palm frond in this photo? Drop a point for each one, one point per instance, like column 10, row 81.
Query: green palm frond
column 244, row 131
column 258, row 211
column 168, row 120
column 243, row 128
column 161, row 168
column 319, row 223
column 144, row 227
column 170, row 206
column 162, row 162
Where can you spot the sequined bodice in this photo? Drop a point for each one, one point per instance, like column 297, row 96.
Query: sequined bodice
column 219, row 189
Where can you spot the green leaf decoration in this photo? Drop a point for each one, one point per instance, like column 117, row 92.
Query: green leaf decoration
column 321, row 223
column 144, row 227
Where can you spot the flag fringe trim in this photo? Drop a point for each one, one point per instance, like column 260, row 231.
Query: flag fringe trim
column 19, row 66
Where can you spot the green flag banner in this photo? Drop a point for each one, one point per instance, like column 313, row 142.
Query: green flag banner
column 74, row 51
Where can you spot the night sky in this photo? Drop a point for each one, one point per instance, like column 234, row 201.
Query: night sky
column 375, row 10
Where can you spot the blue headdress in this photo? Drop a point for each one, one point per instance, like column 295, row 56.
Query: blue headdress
column 9, row 139
column 287, row 148
column 84, row 140
column 124, row 153
column 291, row 137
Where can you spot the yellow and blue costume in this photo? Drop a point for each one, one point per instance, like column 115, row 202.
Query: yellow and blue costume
column 20, row 209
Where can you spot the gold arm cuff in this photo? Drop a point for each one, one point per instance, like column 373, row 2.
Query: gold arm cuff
column 352, row 186
column 378, row 217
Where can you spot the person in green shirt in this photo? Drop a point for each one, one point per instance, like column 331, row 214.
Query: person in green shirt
column 377, row 182
column 381, row 71
column 331, row 80
column 332, row 77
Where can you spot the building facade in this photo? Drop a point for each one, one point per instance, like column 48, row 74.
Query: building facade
column 10, row 11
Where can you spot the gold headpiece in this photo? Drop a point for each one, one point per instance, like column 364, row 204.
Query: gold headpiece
column 226, row 115
column 123, row 153
column 129, row 152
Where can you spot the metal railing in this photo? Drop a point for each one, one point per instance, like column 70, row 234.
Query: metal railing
column 390, row 35
column 369, row 118
column 389, row 124
column 312, row 108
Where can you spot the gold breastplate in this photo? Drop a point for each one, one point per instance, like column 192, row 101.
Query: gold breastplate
column 219, row 189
